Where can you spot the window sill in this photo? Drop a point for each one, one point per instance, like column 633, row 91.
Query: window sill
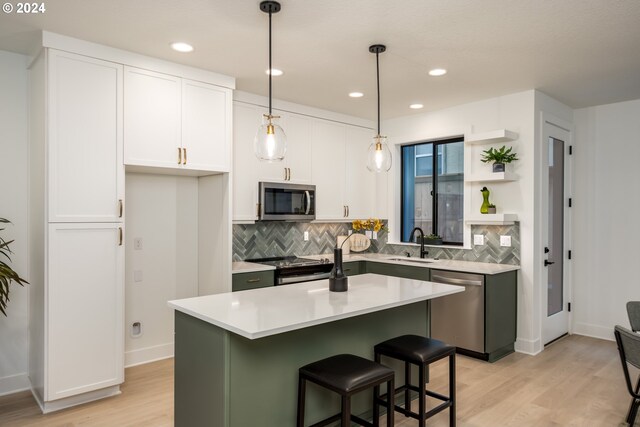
column 416, row 245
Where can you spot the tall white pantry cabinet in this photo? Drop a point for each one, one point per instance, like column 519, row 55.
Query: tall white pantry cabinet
column 77, row 229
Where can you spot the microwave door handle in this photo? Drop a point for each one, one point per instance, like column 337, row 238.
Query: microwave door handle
column 306, row 193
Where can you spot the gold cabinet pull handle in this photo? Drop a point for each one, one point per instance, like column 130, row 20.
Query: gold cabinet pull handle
column 119, row 236
column 348, row 211
column 253, row 280
column 179, row 156
column 285, row 174
column 289, row 169
column 120, row 208
column 184, row 158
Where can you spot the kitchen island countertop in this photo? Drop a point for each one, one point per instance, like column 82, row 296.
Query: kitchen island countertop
column 259, row 313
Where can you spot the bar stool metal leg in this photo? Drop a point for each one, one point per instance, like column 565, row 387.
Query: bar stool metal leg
column 301, row 398
column 390, row 403
column 452, row 390
column 346, row 411
column 407, row 382
column 376, row 406
column 422, row 396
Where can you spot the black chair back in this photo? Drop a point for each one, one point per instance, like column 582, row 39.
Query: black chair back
column 633, row 310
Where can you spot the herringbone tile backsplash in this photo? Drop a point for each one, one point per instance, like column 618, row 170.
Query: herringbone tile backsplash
column 273, row 238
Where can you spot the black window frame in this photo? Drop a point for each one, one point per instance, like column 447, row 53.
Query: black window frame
column 434, row 214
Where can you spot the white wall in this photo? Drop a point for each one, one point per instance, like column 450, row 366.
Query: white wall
column 607, row 203
column 162, row 210
column 13, row 206
column 516, row 113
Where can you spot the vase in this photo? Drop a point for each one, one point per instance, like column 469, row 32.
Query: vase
column 485, row 201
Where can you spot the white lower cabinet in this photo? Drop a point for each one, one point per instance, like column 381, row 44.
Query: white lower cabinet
column 85, row 316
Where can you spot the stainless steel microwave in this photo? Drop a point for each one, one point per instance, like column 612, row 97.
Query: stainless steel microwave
column 287, row 202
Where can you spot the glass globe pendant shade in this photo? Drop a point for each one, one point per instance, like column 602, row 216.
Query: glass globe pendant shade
column 379, row 155
column 270, row 143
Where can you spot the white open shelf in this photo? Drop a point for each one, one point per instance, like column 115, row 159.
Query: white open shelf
column 500, row 135
column 491, row 177
column 492, row 219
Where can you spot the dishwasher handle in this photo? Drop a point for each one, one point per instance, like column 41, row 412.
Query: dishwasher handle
column 453, row 281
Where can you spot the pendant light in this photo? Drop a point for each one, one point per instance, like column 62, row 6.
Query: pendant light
column 270, row 143
column 378, row 155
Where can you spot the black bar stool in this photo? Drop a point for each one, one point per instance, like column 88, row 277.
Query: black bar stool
column 420, row 351
column 346, row 375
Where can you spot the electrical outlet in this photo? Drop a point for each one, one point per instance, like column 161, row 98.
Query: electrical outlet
column 137, row 243
column 136, row 329
column 478, row 239
column 505, row 241
column 137, row 275
column 306, row 236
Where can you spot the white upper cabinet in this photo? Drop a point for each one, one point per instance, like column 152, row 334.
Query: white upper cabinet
column 328, row 166
column 176, row 123
column 298, row 158
column 246, row 120
column 360, row 182
column 152, row 119
column 206, row 126
column 86, row 175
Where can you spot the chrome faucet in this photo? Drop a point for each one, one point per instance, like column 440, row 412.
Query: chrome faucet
column 423, row 252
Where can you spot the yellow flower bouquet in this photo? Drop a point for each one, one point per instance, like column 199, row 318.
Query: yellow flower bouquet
column 371, row 224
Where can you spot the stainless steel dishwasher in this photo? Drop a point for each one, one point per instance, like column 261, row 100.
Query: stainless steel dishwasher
column 458, row 319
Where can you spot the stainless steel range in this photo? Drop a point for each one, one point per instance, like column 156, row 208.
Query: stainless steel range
column 292, row 269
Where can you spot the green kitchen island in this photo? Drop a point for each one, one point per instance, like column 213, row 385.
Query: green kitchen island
column 237, row 354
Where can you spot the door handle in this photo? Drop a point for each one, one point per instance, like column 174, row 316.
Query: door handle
column 119, row 236
column 121, row 207
column 184, row 159
column 285, row 173
column 288, row 174
column 179, row 155
column 253, row 280
column 547, row 262
column 308, row 197
column 348, row 211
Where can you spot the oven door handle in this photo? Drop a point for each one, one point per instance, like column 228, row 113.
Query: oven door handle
column 306, row 212
column 305, row 278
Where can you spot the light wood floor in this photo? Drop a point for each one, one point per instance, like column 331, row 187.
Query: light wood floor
column 575, row 382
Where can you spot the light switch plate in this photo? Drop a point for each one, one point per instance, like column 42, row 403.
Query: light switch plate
column 478, row 239
column 137, row 275
column 137, row 243
column 306, row 236
column 505, row 241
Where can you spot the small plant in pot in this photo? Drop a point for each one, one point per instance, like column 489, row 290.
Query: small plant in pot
column 432, row 239
column 491, row 209
column 7, row 274
column 499, row 157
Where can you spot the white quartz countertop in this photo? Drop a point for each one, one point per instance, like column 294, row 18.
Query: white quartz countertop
column 249, row 267
column 436, row 264
column 259, row 313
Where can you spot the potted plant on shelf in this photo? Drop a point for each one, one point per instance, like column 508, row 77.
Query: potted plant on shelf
column 432, row 239
column 499, row 157
column 7, row 274
column 491, row 209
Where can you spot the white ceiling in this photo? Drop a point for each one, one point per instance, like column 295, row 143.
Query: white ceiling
column 582, row 52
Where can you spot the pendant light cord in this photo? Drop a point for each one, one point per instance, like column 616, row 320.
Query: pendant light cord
column 378, row 81
column 270, row 67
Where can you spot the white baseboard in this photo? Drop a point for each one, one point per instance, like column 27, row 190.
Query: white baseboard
column 530, row 347
column 68, row 402
column 594, row 331
column 13, row 384
column 148, row 354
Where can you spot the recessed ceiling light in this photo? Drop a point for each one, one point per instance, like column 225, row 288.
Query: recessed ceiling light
column 356, row 94
column 437, row 72
column 416, row 106
column 182, row 47
column 274, row 72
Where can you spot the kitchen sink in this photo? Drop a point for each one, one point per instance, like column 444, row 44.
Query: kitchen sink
column 407, row 259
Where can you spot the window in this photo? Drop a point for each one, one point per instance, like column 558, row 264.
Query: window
column 433, row 201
